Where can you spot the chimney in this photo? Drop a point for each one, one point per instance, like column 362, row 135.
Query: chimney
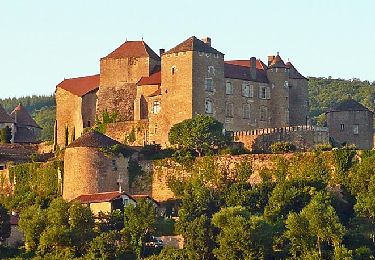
column 270, row 59
column 207, row 40
column 161, row 52
column 253, row 68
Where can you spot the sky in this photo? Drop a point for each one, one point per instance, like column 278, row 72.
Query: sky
column 43, row 41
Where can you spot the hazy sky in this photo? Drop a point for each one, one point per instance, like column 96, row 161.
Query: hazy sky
column 43, row 42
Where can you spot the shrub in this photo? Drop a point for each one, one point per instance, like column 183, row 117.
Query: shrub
column 322, row 147
column 282, row 147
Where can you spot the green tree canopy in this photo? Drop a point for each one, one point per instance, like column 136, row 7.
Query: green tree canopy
column 202, row 134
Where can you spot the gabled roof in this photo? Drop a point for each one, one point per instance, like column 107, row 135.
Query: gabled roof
column 135, row 49
column 349, row 105
column 22, row 118
column 93, row 139
column 100, row 197
column 193, row 44
column 240, row 69
column 138, row 197
column 4, row 116
column 153, row 79
column 80, row 86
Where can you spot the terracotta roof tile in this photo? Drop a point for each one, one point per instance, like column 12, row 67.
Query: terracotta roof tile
column 349, row 105
column 93, row 139
column 80, row 86
column 4, row 116
column 100, row 197
column 136, row 49
column 22, row 117
column 193, row 44
column 153, row 79
column 240, row 69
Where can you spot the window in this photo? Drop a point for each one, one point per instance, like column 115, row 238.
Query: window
column 211, row 71
column 209, row 84
column 251, row 94
column 245, row 90
column 263, row 113
column 264, row 92
column 342, row 127
column 173, row 70
column 114, row 165
column 229, row 110
column 356, row 129
column 208, row 106
column 228, row 88
column 201, row 53
column 286, row 84
column 156, row 107
column 246, row 111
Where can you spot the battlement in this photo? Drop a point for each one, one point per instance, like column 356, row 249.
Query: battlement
column 262, row 131
column 303, row 137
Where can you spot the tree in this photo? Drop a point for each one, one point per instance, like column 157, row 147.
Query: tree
column 45, row 118
column 5, row 135
column 4, row 224
column 139, row 221
column 241, row 236
column 323, row 226
column 202, row 134
column 32, row 223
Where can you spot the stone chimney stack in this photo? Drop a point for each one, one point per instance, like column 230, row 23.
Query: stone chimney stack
column 207, row 40
column 253, row 68
column 161, row 52
column 270, row 59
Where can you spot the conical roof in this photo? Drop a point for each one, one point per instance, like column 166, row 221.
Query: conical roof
column 193, row 44
column 349, row 105
column 4, row 116
column 22, row 117
column 94, row 139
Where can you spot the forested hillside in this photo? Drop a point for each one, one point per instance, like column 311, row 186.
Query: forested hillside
column 42, row 109
column 325, row 92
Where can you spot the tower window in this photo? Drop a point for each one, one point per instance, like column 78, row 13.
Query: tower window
column 211, row 71
column 356, row 129
column 173, row 70
column 156, row 107
column 228, row 88
column 209, row 84
column 342, row 127
column 208, row 106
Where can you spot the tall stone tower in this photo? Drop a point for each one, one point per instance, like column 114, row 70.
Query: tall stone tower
column 191, row 83
column 119, row 72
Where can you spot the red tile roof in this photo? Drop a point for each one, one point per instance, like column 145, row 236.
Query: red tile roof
column 80, row 86
column 22, row 117
column 153, row 79
column 240, row 69
column 136, row 49
column 193, row 44
column 100, row 197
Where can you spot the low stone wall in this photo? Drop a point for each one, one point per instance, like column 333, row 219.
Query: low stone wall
column 303, row 137
column 122, row 131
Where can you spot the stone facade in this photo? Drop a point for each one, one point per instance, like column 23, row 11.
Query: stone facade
column 88, row 170
column 350, row 123
column 191, row 78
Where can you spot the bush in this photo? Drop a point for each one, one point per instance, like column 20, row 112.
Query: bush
column 322, row 147
column 154, row 152
column 233, row 151
column 282, row 147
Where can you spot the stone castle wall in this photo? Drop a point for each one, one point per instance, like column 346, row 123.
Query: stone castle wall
column 121, row 131
column 303, row 137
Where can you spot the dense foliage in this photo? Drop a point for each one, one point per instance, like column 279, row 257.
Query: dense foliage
column 326, row 92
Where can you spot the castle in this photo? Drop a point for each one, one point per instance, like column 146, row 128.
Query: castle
column 150, row 93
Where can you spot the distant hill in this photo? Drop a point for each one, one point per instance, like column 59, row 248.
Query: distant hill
column 325, row 92
column 41, row 108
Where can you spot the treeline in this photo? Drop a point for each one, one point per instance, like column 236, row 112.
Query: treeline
column 326, row 92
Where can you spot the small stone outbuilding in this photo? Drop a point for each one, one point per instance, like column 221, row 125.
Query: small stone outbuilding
column 351, row 123
column 92, row 165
